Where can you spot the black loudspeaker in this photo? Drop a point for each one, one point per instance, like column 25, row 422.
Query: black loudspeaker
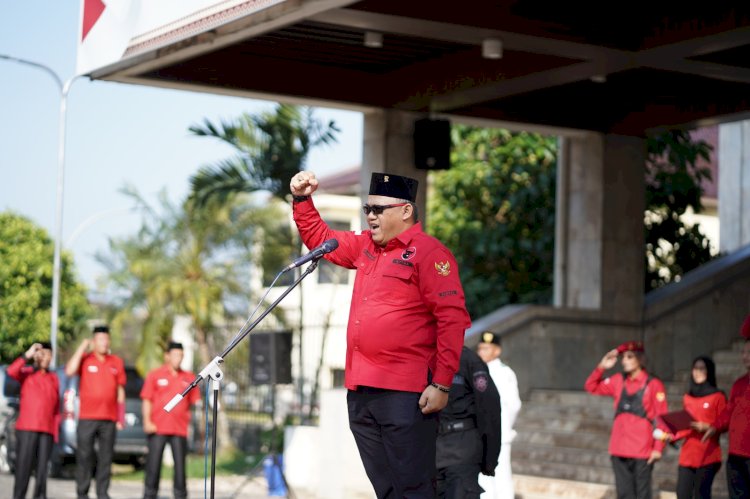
column 271, row 357
column 432, row 144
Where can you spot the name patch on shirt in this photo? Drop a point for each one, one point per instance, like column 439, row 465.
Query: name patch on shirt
column 369, row 255
column 448, row 293
column 402, row 262
column 162, row 382
column 93, row 369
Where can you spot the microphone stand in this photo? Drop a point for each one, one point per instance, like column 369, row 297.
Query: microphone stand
column 213, row 368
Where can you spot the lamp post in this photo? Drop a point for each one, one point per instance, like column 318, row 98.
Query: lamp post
column 64, row 88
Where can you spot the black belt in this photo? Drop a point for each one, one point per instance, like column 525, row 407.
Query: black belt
column 462, row 425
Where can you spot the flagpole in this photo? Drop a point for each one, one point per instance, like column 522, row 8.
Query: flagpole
column 64, row 89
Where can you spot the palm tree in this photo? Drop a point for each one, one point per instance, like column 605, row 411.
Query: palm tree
column 184, row 262
column 271, row 148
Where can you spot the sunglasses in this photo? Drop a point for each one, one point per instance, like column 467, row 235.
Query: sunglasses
column 378, row 209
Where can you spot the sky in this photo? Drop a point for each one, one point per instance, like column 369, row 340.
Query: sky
column 116, row 134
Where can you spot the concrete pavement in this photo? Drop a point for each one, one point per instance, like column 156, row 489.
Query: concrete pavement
column 226, row 487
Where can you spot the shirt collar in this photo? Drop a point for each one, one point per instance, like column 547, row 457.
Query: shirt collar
column 406, row 236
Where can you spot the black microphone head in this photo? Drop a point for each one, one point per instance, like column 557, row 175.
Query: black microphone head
column 330, row 245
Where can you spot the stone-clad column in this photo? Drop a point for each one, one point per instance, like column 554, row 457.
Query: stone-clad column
column 734, row 186
column 599, row 254
column 389, row 147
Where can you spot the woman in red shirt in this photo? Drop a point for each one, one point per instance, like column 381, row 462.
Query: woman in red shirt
column 700, row 460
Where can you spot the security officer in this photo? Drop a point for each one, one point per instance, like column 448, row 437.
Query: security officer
column 469, row 436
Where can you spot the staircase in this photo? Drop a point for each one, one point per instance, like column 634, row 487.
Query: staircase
column 561, row 447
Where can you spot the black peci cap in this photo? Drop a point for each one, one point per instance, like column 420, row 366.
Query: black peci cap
column 101, row 329
column 174, row 345
column 394, row 186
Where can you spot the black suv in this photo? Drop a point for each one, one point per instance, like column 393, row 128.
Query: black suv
column 130, row 445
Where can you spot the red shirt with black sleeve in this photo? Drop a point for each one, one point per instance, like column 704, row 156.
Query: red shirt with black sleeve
column 694, row 453
column 99, row 379
column 159, row 387
column 632, row 435
column 407, row 314
column 40, row 398
column 736, row 417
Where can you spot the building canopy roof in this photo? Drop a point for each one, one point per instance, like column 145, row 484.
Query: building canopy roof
column 613, row 67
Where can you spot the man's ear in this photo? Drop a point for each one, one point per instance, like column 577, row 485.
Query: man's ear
column 407, row 213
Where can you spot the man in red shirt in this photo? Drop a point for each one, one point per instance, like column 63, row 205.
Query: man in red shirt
column 736, row 420
column 160, row 386
column 406, row 329
column 36, row 426
column 638, row 399
column 101, row 409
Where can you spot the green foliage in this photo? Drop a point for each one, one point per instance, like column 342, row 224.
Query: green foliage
column 271, row 148
column 26, row 257
column 494, row 209
column 181, row 262
column 673, row 187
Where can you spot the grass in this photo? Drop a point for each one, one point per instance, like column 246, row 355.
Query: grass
column 233, row 462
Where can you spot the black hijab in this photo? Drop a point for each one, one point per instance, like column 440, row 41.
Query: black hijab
column 707, row 387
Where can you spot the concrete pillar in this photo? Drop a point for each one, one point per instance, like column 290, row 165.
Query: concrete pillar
column 389, row 147
column 599, row 226
column 734, row 186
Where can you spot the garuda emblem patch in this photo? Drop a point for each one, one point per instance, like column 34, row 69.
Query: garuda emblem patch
column 443, row 268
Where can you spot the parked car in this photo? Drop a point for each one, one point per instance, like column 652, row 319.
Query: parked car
column 11, row 390
column 130, row 445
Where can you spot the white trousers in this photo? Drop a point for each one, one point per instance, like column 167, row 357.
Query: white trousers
column 499, row 486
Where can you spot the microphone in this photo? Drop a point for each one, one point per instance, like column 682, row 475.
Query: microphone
column 315, row 254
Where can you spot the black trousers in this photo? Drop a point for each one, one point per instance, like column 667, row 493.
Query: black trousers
column 459, row 458
column 156, row 444
column 102, row 433
column 738, row 476
column 33, row 448
column 632, row 477
column 695, row 483
column 395, row 440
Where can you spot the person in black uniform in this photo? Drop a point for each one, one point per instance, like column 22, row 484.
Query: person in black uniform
column 469, row 433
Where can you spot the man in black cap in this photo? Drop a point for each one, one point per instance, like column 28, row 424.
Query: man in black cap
column 36, row 426
column 405, row 333
column 101, row 392
column 490, row 349
column 159, row 387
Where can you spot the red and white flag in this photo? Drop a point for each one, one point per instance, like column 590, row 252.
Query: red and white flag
column 106, row 28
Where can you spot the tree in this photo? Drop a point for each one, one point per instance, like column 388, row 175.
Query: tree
column 495, row 210
column 271, row 148
column 26, row 256
column 181, row 262
column 674, row 186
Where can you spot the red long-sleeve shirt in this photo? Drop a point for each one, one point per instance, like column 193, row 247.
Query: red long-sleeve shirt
column 40, row 398
column 632, row 436
column 407, row 313
column 694, row 453
column 736, row 417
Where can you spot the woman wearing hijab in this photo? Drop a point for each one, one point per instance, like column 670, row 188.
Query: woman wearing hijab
column 700, row 461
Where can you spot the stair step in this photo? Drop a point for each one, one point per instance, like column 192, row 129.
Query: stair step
column 550, row 410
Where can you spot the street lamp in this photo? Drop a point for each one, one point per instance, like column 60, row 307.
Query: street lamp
column 64, row 88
